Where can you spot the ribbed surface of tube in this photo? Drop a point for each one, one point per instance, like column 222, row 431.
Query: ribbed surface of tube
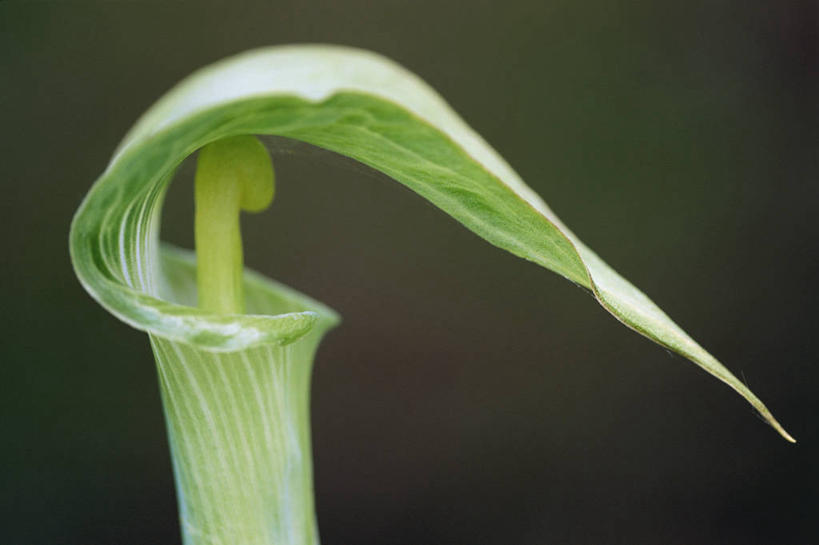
column 238, row 424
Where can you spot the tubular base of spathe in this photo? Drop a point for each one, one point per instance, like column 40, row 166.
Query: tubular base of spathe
column 239, row 424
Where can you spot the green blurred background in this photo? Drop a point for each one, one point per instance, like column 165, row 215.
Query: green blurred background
column 469, row 396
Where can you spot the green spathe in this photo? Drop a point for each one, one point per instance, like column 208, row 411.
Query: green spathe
column 358, row 104
column 354, row 103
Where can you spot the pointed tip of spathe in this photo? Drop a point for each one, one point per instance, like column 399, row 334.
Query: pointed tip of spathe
column 765, row 415
column 788, row 437
column 778, row 427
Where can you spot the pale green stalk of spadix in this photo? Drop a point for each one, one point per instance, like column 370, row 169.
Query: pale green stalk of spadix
column 234, row 173
column 235, row 384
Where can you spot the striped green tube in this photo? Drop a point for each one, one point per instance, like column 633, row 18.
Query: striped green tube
column 239, row 425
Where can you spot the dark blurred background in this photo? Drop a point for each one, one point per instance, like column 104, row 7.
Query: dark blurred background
column 469, row 396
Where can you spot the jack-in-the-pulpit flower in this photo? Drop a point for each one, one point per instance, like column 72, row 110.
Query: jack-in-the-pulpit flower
column 233, row 349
